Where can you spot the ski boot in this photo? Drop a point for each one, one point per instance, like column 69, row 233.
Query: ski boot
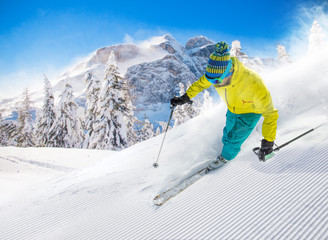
column 218, row 162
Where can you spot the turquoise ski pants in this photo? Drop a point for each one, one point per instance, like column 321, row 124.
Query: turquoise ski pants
column 238, row 128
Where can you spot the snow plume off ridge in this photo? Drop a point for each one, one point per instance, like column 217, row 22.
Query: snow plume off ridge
column 300, row 85
column 303, row 84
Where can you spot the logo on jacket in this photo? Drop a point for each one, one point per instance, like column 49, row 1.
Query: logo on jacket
column 247, row 102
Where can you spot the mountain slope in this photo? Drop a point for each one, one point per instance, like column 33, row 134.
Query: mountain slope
column 284, row 198
column 153, row 70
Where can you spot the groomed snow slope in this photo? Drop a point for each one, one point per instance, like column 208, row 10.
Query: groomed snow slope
column 284, row 198
column 24, row 168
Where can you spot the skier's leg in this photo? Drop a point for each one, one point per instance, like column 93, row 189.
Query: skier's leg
column 238, row 128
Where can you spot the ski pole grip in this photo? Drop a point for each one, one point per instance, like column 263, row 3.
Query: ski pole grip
column 256, row 151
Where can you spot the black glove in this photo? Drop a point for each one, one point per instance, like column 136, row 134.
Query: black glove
column 266, row 149
column 180, row 100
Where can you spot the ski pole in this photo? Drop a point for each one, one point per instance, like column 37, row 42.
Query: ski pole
column 256, row 150
column 155, row 165
column 302, row 135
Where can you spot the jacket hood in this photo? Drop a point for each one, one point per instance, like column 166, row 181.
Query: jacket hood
column 238, row 70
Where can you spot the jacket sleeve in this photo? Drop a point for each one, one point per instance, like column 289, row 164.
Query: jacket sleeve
column 263, row 102
column 198, row 86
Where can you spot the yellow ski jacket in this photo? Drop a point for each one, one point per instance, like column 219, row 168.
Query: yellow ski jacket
column 246, row 93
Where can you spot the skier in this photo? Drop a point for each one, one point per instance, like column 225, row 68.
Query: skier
column 247, row 99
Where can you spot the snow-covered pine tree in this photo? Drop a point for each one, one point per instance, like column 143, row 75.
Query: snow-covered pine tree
column 67, row 131
column 24, row 133
column 180, row 114
column 3, row 141
column 131, row 120
column 3, row 133
column 7, row 132
column 208, row 102
column 158, row 131
column 185, row 112
column 316, row 39
column 110, row 128
column 161, row 128
column 146, row 130
column 192, row 110
column 46, row 117
column 283, row 57
column 236, row 52
column 253, row 63
column 235, row 48
column 92, row 95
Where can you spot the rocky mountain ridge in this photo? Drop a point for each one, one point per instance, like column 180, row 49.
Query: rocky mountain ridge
column 153, row 70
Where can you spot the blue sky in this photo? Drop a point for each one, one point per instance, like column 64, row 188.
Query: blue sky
column 39, row 37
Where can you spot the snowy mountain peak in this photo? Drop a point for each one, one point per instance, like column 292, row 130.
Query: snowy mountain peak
column 111, row 59
column 168, row 37
column 125, row 56
column 160, row 60
column 197, row 42
column 171, row 45
column 122, row 53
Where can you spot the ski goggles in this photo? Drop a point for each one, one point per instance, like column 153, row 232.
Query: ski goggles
column 216, row 81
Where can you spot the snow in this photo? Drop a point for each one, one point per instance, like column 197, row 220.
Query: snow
column 85, row 194
column 26, row 168
column 91, row 194
column 128, row 55
column 104, row 195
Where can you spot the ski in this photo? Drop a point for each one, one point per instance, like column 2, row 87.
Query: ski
column 163, row 197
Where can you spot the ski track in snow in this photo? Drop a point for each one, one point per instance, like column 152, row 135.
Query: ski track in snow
column 38, row 164
column 285, row 198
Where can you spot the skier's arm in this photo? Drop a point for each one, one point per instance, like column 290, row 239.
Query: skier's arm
column 263, row 102
column 198, row 86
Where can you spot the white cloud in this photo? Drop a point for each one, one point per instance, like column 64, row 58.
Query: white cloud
column 298, row 41
column 128, row 39
column 13, row 84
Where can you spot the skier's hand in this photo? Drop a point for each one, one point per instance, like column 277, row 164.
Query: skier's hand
column 180, row 100
column 266, row 149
